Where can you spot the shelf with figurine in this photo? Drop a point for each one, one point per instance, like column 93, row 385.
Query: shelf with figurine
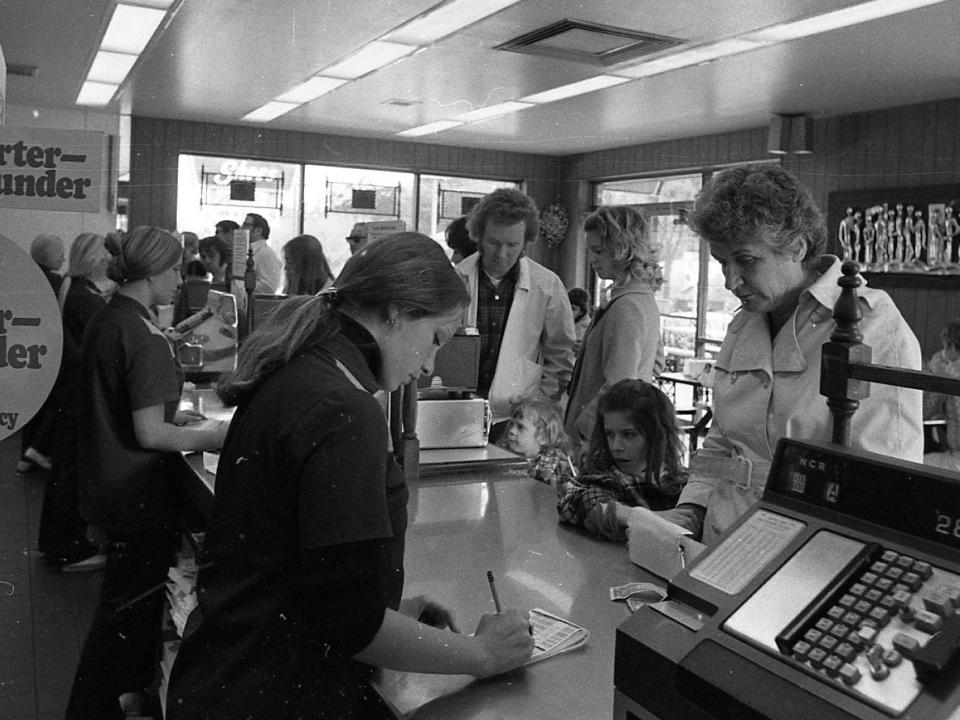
column 898, row 230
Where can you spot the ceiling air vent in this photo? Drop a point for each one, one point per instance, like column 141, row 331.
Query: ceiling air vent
column 589, row 42
column 22, row 70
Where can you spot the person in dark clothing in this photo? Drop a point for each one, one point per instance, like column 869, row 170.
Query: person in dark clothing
column 130, row 438
column 301, row 598
column 37, row 435
column 62, row 535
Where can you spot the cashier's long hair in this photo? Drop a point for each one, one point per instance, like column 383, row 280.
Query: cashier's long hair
column 407, row 272
column 653, row 416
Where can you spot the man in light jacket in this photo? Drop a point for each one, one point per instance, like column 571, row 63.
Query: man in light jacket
column 519, row 307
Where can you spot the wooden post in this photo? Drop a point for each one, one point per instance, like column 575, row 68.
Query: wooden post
column 844, row 393
column 250, row 285
column 410, row 443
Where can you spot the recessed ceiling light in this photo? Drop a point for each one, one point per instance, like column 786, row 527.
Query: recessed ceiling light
column 446, row 19
column 844, row 17
column 429, row 128
column 310, row 90
column 111, row 67
column 578, row 88
column 370, row 57
column 269, row 111
column 490, row 111
column 96, row 93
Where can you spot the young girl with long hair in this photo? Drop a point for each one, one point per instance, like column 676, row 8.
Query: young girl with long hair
column 634, row 460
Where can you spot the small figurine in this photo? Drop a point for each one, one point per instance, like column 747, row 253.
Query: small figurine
column 952, row 236
column 857, row 233
column 908, row 255
column 894, row 250
column 869, row 237
column 846, row 235
column 919, row 237
column 935, row 242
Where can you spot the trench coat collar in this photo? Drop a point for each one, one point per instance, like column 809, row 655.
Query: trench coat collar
column 749, row 333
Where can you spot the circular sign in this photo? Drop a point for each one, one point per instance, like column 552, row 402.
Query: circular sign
column 31, row 337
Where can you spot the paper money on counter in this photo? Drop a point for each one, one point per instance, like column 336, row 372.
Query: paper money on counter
column 646, row 592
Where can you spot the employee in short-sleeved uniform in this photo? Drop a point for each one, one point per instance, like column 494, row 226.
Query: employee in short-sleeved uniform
column 309, row 572
column 129, row 432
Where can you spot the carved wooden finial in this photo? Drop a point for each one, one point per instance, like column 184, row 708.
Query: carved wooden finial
column 847, row 311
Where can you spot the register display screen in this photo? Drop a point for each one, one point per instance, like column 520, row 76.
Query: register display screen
column 870, row 487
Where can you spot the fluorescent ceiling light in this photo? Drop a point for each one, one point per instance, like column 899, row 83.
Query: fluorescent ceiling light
column 578, row 88
column 369, row 58
column 269, row 111
column 95, row 93
column 854, row 15
column 310, row 90
column 490, row 111
column 693, row 56
column 131, row 28
column 110, row 67
column 433, row 127
column 446, row 19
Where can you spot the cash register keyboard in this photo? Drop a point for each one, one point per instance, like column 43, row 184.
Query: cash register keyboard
column 878, row 629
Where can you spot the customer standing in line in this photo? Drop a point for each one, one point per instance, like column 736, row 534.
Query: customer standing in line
column 302, row 596
column 520, row 307
column 769, row 237
column 130, row 436
column 266, row 263
column 305, row 267
column 623, row 341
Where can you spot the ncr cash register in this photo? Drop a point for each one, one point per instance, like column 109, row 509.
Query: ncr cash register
column 836, row 597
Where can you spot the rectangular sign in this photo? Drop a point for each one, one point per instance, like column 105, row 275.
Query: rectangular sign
column 59, row 170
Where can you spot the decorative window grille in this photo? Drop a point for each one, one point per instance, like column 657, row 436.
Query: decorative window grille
column 252, row 193
column 356, row 199
column 454, row 203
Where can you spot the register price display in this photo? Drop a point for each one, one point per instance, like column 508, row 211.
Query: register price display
column 873, row 490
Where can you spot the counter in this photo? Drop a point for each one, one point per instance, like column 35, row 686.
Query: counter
column 494, row 517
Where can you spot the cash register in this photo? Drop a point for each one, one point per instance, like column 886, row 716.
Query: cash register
column 837, row 596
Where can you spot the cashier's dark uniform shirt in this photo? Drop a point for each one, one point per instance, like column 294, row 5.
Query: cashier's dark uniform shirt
column 306, row 545
column 127, row 365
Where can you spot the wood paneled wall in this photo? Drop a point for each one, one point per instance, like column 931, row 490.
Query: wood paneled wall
column 156, row 144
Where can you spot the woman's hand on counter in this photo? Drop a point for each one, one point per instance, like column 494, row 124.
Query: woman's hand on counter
column 506, row 641
column 186, row 417
column 425, row 610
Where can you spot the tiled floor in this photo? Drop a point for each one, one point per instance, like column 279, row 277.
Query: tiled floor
column 44, row 613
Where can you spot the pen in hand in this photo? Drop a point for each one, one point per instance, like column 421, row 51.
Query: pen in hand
column 683, row 553
column 493, row 591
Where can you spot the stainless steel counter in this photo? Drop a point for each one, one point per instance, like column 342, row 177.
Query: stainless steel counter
column 496, row 518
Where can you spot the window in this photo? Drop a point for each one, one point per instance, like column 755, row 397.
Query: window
column 694, row 306
column 334, row 198
column 444, row 199
column 211, row 189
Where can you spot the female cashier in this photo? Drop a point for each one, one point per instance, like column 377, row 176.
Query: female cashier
column 129, row 438
column 768, row 236
column 302, row 597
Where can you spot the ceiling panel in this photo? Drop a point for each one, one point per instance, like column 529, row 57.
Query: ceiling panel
column 216, row 60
